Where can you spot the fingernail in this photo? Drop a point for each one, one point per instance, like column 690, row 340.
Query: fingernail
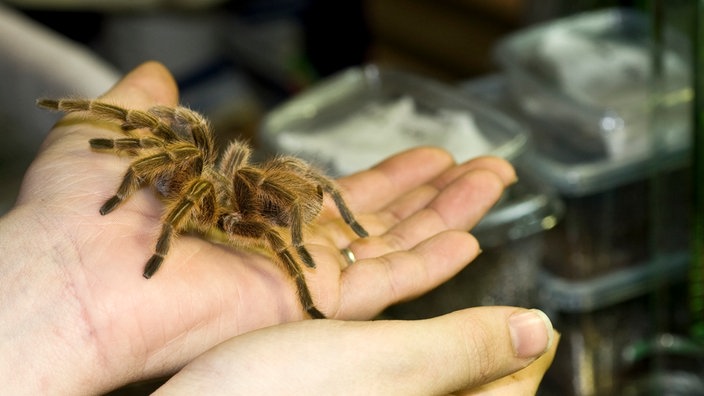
column 531, row 333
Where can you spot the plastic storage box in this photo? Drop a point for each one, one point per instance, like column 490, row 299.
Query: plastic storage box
column 589, row 78
column 606, row 324
column 599, row 277
column 362, row 115
column 583, row 86
column 598, row 271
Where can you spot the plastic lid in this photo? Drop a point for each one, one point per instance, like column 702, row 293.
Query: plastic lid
column 587, row 295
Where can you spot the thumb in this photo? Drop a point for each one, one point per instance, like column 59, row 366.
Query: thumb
column 465, row 349
column 147, row 85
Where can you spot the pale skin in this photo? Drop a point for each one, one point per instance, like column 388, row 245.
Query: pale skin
column 77, row 316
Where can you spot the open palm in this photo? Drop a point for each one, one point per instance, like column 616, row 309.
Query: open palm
column 417, row 207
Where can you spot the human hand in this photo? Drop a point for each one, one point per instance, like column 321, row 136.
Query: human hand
column 477, row 351
column 69, row 268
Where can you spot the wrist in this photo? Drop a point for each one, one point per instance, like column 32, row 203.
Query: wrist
column 47, row 343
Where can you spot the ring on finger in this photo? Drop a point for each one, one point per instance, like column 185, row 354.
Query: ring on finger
column 348, row 255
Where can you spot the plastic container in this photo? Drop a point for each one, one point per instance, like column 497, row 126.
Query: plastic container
column 609, row 201
column 362, row 115
column 606, row 321
column 584, row 88
column 589, row 79
column 506, row 272
column 616, row 151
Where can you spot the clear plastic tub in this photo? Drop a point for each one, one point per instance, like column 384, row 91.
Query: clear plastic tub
column 362, row 115
column 606, row 320
column 609, row 201
column 589, row 78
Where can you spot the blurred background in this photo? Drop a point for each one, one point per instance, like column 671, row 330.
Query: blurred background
column 596, row 103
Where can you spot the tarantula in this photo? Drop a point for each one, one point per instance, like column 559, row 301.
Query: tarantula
column 206, row 194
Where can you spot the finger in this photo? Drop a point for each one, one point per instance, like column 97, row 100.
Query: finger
column 503, row 169
column 461, row 350
column 399, row 175
column 372, row 189
column 496, row 168
column 370, row 285
column 459, row 206
column 397, row 203
column 467, row 199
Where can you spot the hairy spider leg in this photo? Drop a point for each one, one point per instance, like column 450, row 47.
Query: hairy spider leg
column 70, row 105
column 307, row 172
column 198, row 204
column 345, row 211
column 235, row 224
column 294, row 270
column 138, row 119
column 126, row 145
column 282, row 198
column 235, row 156
column 147, row 169
column 130, row 119
column 297, row 219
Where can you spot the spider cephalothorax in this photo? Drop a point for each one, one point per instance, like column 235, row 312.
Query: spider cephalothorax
column 230, row 195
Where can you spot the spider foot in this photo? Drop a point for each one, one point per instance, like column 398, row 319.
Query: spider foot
column 305, row 256
column 101, row 144
column 315, row 313
column 358, row 229
column 110, row 204
column 48, row 103
column 152, row 265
